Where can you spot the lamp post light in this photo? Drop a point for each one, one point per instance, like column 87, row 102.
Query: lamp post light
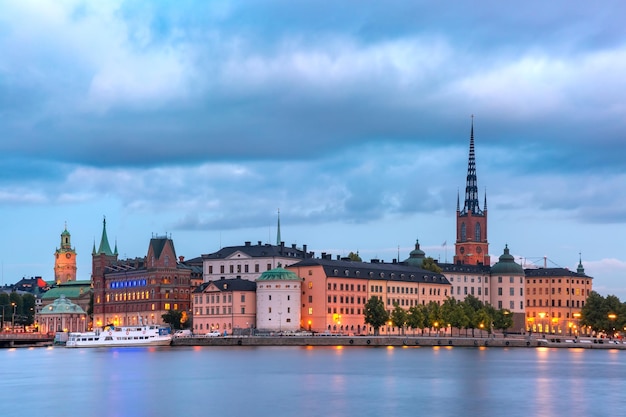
column 612, row 317
column 482, row 326
column 577, row 318
column 13, row 317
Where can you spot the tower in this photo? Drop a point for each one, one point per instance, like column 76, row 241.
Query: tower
column 65, row 260
column 100, row 259
column 471, row 245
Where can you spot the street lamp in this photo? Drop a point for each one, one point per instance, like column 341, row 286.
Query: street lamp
column 612, row 317
column 13, row 317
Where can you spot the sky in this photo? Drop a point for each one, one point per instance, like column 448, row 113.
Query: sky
column 201, row 120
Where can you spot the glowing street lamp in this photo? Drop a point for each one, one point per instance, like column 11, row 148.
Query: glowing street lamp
column 482, row 326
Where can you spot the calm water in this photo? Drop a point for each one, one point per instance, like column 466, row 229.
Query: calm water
column 320, row 381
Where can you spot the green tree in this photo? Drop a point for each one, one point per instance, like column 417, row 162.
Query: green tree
column 433, row 315
column 173, row 318
column 430, row 264
column 28, row 308
column 502, row 320
column 375, row 313
column 454, row 314
column 399, row 317
column 355, row 257
column 417, row 318
column 471, row 306
column 483, row 320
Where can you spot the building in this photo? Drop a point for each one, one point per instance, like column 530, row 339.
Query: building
column 250, row 261
column 78, row 292
column 555, row 298
column 334, row 292
column 62, row 315
column 471, row 246
column 65, row 260
column 278, row 297
column 139, row 290
column 224, row 305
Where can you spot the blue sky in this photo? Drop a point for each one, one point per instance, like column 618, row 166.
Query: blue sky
column 201, row 119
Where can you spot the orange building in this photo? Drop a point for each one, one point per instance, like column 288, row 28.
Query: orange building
column 224, row 305
column 334, row 292
column 65, row 260
column 555, row 298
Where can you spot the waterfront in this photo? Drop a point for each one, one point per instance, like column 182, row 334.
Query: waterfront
column 312, row 381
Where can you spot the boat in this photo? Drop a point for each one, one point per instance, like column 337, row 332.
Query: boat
column 121, row 336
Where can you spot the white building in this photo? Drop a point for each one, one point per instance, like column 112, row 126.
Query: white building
column 249, row 261
column 278, row 300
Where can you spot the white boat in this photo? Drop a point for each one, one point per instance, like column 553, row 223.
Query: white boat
column 122, row 336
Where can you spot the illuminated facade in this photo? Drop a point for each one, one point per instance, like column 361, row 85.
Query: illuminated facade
column 224, row 305
column 334, row 292
column 65, row 260
column 140, row 290
column 555, row 298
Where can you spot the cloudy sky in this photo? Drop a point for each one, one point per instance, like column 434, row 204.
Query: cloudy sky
column 201, row 119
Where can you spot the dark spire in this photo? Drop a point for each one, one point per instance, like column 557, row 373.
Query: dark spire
column 485, row 203
column 471, row 186
column 458, row 201
column 278, row 230
column 580, row 269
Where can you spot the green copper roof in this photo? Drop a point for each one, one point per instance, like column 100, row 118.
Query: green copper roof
column 416, row 257
column 69, row 291
column 278, row 274
column 507, row 265
column 62, row 305
column 105, row 248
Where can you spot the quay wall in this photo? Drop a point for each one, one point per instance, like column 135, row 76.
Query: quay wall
column 374, row 341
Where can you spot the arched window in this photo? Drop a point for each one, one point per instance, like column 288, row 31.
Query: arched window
column 463, row 233
column 477, row 232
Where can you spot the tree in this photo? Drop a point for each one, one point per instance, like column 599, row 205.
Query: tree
column 471, row 306
column 502, row 320
column 355, row 257
column 433, row 315
column 454, row 314
column 399, row 317
column 416, row 318
column 173, row 318
column 375, row 313
column 28, row 309
column 429, row 264
column 483, row 320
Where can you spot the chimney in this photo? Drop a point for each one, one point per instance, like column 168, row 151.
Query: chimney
column 181, row 259
column 304, row 251
column 248, row 243
column 259, row 243
column 293, row 246
column 338, row 257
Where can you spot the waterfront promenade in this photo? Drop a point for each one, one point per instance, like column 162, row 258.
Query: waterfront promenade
column 8, row 339
column 374, row 341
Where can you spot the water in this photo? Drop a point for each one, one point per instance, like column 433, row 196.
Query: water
column 311, row 381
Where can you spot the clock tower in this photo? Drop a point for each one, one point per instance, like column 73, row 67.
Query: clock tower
column 471, row 246
column 65, row 260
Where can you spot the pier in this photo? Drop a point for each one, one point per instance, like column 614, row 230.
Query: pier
column 10, row 340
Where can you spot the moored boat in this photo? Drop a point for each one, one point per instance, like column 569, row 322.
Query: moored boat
column 122, row 336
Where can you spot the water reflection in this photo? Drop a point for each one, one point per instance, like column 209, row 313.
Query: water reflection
column 314, row 381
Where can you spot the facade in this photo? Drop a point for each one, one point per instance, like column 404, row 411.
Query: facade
column 62, row 315
column 467, row 280
column 65, row 260
column 249, row 261
column 555, row 298
column 334, row 292
column 278, row 298
column 224, row 305
column 139, row 290
column 78, row 292
column 471, row 246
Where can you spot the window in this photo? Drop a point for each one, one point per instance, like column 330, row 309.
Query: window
column 232, row 269
column 243, row 298
column 310, row 310
column 210, row 269
column 311, row 298
column 463, row 233
column 477, row 232
column 500, row 291
column 256, row 267
column 511, row 292
column 246, row 268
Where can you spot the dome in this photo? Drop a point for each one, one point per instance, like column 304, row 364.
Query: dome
column 62, row 306
column 416, row 257
column 507, row 265
column 278, row 274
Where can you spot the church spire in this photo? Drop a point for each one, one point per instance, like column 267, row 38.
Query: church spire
column 278, row 239
column 580, row 269
column 471, row 186
column 104, row 248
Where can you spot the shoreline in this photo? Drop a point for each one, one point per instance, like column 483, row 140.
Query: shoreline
column 401, row 341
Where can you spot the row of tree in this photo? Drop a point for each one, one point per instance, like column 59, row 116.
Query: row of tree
column 604, row 314
column 17, row 308
column 469, row 314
